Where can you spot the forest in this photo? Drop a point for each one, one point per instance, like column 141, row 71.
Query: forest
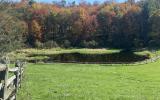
column 128, row 25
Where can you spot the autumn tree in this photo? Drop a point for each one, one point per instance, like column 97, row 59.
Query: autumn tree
column 131, row 28
column 105, row 19
column 84, row 27
column 12, row 29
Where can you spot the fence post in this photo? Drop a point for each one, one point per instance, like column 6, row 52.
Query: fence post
column 5, row 83
column 2, row 78
column 21, row 74
column 17, row 80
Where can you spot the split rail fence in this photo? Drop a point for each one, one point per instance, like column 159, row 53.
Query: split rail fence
column 10, row 80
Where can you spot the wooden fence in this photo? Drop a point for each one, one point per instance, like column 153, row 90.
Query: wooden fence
column 10, row 81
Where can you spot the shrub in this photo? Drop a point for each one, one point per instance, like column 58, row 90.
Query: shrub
column 89, row 44
column 154, row 43
column 66, row 44
column 51, row 44
column 38, row 44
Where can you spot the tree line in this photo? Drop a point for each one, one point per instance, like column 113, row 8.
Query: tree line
column 128, row 25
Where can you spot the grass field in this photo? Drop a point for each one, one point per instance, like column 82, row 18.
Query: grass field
column 91, row 82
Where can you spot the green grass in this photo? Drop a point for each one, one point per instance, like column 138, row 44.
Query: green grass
column 91, row 82
column 61, row 50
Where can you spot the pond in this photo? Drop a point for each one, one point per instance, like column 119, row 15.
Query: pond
column 90, row 58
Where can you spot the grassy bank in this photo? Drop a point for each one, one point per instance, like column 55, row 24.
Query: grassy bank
column 90, row 82
column 24, row 54
column 43, row 54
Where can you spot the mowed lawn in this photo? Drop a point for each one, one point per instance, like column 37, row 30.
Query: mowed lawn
column 90, row 82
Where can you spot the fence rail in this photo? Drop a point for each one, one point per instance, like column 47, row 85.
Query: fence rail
column 10, row 81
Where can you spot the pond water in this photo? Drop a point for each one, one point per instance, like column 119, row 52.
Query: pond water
column 91, row 58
